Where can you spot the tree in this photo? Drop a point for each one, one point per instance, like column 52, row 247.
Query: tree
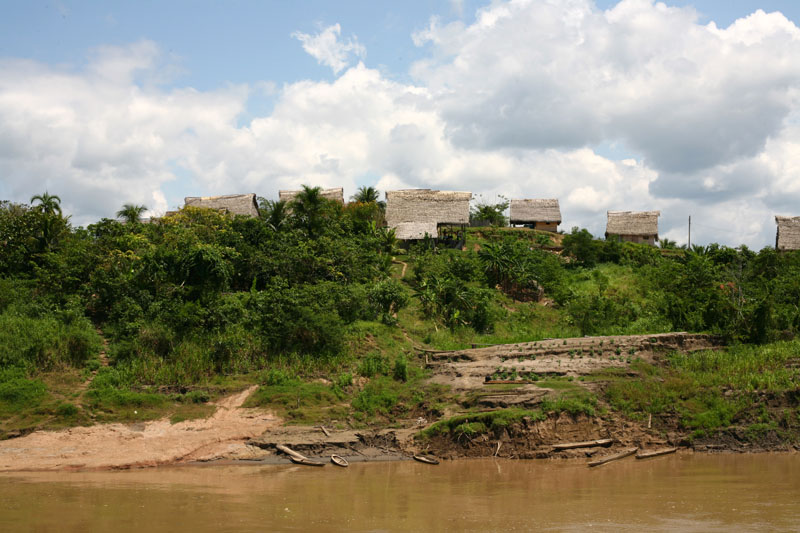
column 368, row 195
column 308, row 207
column 274, row 212
column 49, row 204
column 667, row 244
column 131, row 214
column 491, row 213
column 50, row 220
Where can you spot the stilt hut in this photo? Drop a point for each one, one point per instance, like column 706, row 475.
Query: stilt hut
column 235, row 204
column 788, row 235
column 537, row 213
column 336, row 194
column 633, row 226
column 442, row 215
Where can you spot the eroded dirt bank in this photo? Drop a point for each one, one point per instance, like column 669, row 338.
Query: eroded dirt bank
column 159, row 442
column 482, row 380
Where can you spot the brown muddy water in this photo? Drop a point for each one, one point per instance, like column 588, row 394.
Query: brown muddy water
column 675, row 493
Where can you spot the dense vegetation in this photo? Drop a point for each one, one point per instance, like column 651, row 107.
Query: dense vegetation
column 192, row 302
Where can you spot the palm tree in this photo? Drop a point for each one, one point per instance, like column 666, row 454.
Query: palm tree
column 131, row 214
column 49, row 204
column 368, row 195
column 49, row 215
column 274, row 212
column 308, row 206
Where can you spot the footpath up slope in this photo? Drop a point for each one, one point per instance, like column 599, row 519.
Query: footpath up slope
column 159, row 442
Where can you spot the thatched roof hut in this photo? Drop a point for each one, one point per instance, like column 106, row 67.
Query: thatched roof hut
column 541, row 212
column 426, row 206
column 412, row 231
column 633, row 226
column 788, row 236
column 335, row 194
column 235, row 204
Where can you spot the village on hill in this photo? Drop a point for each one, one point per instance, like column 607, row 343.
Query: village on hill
column 416, row 214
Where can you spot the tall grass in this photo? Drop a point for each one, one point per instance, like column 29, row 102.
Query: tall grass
column 743, row 367
column 46, row 342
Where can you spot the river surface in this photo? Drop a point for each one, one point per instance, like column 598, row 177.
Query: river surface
column 685, row 492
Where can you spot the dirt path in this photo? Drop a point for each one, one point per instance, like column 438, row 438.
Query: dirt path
column 144, row 444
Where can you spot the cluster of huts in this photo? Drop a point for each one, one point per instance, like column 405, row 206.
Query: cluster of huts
column 416, row 214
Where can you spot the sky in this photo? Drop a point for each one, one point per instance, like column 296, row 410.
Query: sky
column 687, row 107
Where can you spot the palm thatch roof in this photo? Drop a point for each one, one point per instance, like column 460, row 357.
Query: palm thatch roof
column 535, row 210
column 407, row 231
column 335, row 194
column 235, row 204
column 788, row 237
column 632, row 223
column 426, row 206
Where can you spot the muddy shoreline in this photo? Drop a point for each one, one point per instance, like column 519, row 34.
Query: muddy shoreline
column 482, row 379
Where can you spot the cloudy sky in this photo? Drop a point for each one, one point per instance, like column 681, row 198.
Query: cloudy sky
column 689, row 107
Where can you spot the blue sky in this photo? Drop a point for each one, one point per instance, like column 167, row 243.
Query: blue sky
column 152, row 101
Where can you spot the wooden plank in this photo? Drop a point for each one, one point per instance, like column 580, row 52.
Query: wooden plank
column 655, row 453
column 586, row 444
column 614, row 457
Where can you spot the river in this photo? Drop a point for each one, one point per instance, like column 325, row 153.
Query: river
column 685, row 492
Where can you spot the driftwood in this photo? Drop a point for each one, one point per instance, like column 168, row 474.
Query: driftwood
column 655, row 453
column 426, row 459
column 586, row 444
column 498, row 448
column 290, row 452
column 608, row 458
column 327, row 433
column 304, row 461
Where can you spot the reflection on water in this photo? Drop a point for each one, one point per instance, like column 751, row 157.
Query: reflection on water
column 673, row 493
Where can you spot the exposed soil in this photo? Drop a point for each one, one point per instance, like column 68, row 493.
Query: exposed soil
column 106, row 446
column 467, row 370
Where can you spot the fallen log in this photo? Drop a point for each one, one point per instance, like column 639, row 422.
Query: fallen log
column 585, row 444
column 327, row 433
column 291, row 453
column 608, row 458
column 655, row 453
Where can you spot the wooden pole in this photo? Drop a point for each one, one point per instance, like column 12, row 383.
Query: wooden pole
column 615, row 457
column 690, row 233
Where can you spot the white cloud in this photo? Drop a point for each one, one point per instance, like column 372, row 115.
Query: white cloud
column 538, row 74
column 511, row 105
column 328, row 50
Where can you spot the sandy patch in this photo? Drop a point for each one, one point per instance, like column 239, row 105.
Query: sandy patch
column 144, row 444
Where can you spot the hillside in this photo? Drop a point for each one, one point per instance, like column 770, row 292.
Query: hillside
column 338, row 326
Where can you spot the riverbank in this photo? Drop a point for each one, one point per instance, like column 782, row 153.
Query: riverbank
column 515, row 401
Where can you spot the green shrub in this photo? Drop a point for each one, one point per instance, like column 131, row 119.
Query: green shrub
column 373, row 364
column 401, row 368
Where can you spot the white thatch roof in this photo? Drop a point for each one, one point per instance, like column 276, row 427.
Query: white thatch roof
column 788, row 237
column 407, row 231
column 425, row 205
column 535, row 210
column 632, row 223
column 235, row 204
column 335, row 194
